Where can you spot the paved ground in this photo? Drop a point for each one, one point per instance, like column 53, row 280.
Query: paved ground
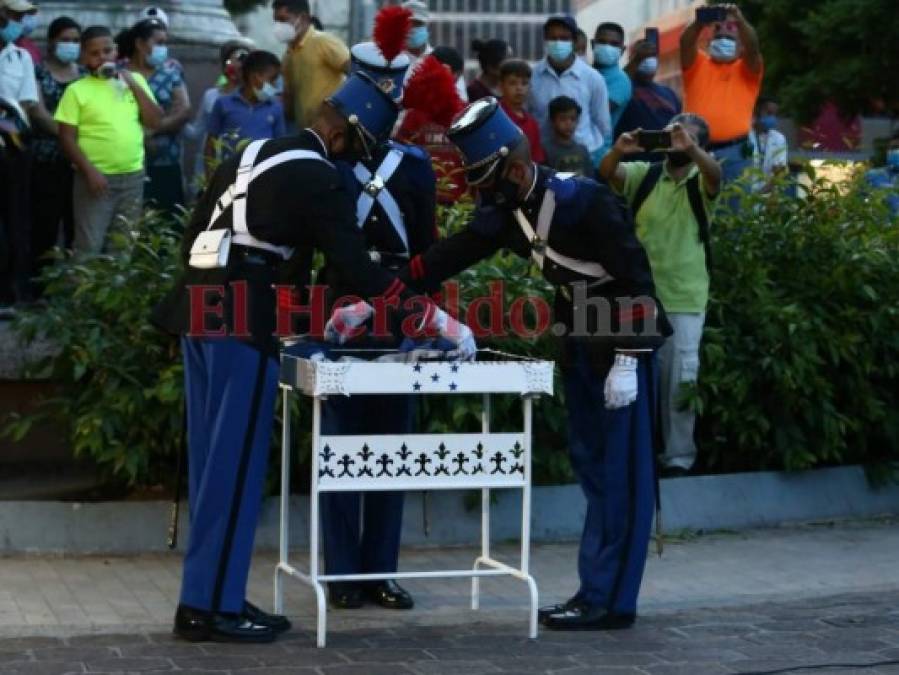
column 727, row 603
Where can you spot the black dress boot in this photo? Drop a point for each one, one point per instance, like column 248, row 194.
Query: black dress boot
column 390, row 594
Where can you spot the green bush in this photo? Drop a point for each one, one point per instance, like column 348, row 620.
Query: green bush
column 801, row 348
column 120, row 380
column 799, row 362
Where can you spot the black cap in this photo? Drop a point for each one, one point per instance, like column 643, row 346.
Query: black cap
column 562, row 20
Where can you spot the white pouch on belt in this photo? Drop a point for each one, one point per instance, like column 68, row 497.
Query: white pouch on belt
column 211, row 249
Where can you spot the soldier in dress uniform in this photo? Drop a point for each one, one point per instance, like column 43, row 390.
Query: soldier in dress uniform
column 394, row 197
column 279, row 201
column 585, row 245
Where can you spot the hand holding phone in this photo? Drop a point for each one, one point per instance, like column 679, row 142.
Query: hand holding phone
column 654, row 140
column 712, row 14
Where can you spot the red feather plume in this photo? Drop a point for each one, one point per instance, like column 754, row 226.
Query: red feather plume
column 431, row 91
column 392, row 26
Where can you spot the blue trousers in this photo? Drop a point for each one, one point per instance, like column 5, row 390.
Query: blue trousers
column 612, row 456
column 230, row 389
column 369, row 544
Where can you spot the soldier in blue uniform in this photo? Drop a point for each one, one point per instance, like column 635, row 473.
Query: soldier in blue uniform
column 277, row 203
column 394, row 196
column 585, row 245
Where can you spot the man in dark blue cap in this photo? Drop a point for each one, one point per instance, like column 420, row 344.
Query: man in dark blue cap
column 258, row 225
column 585, row 245
column 394, row 197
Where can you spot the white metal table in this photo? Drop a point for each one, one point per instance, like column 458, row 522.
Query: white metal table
column 482, row 460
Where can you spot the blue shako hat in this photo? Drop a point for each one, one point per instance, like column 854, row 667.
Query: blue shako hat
column 370, row 111
column 485, row 135
column 365, row 57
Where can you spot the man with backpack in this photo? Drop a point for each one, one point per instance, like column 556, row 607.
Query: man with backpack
column 672, row 203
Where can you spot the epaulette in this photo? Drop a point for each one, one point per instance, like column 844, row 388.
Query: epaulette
column 413, row 151
column 563, row 185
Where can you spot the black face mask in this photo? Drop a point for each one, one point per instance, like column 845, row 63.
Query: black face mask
column 506, row 193
column 679, row 159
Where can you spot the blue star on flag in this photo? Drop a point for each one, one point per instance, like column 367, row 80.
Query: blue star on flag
column 417, row 386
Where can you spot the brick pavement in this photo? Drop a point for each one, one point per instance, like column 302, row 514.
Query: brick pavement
column 734, row 603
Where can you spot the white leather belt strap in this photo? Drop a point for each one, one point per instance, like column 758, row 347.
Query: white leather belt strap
column 540, row 249
column 236, row 194
column 374, row 188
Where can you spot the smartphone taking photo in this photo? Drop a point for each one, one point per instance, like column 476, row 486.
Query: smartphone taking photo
column 654, row 140
column 711, row 14
column 652, row 37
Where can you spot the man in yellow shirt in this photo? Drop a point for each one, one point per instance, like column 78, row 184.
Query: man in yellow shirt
column 315, row 63
column 673, row 203
column 101, row 119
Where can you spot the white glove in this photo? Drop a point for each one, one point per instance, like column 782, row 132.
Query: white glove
column 457, row 333
column 345, row 321
column 621, row 383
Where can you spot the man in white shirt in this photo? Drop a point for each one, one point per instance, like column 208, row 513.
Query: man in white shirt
column 561, row 73
column 418, row 44
column 18, row 89
column 769, row 146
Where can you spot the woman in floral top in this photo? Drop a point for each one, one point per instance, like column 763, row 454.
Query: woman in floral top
column 51, row 184
column 145, row 48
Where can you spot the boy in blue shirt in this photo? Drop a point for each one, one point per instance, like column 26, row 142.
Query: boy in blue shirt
column 253, row 112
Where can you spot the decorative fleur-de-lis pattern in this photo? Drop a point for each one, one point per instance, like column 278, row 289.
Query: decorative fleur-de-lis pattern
column 453, row 458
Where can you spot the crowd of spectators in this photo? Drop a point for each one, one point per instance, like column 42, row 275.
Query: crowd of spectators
column 94, row 126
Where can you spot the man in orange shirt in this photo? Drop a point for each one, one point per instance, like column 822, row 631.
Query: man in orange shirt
column 723, row 84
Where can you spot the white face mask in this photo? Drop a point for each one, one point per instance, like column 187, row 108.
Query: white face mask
column 284, row 32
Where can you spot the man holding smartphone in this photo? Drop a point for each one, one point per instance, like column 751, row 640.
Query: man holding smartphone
column 672, row 204
column 722, row 84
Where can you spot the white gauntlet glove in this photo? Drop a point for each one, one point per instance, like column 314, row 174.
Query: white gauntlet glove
column 621, row 383
column 345, row 321
column 457, row 333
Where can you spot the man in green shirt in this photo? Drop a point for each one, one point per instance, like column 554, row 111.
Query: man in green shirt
column 673, row 203
column 101, row 130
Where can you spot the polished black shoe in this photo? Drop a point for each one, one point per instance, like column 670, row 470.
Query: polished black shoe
column 200, row 626
column 544, row 612
column 588, row 617
column 345, row 595
column 390, row 594
column 674, row 472
column 276, row 622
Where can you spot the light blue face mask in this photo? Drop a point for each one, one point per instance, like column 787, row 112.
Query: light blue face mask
column 158, row 56
column 768, row 122
column 893, row 158
column 648, row 66
column 12, row 31
column 29, row 23
column 418, row 37
column 559, row 50
column 606, row 55
column 723, row 49
column 67, row 52
column 267, row 92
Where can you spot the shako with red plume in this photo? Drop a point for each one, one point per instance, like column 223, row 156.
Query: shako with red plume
column 431, row 92
column 383, row 59
column 392, row 26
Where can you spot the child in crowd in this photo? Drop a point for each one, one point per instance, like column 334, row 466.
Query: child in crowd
column 101, row 130
column 231, row 57
column 562, row 152
column 514, row 84
column 251, row 113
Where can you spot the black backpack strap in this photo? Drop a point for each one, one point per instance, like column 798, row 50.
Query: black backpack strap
column 646, row 185
column 693, row 192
